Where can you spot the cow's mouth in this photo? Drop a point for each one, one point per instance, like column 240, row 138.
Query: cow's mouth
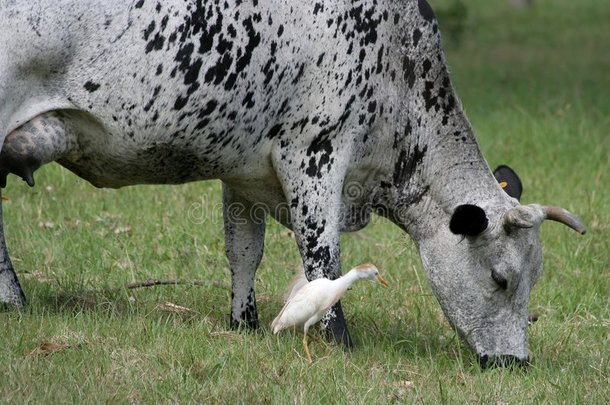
column 507, row 360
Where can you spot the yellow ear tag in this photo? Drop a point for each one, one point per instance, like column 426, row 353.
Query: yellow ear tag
column 4, row 198
column 503, row 184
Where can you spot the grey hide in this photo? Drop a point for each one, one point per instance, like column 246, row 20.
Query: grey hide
column 320, row 112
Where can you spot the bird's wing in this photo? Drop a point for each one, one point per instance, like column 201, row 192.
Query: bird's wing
column 286, row 316
column 306, row 302
column 297, row 282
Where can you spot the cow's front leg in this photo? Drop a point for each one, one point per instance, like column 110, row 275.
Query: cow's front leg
column 10, row 291
column 315, row 210
column 318, row 241
column 317, row 236
column 244, row 243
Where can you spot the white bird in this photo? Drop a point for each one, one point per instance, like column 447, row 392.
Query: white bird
column 308, row 304
column 298, row 281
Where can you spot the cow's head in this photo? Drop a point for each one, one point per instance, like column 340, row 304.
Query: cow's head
column 482, row 263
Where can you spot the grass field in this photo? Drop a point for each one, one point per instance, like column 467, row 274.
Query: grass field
column 536, row 86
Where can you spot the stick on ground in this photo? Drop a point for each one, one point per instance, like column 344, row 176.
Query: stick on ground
column 154, row 282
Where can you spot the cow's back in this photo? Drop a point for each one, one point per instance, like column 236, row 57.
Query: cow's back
column 175, row 91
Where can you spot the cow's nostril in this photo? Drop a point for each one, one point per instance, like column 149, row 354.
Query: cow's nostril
column 509, row 361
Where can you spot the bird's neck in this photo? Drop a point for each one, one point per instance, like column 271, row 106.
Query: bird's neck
column 348, row 279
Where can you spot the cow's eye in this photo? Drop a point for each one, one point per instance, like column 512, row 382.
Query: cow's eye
column 500, row 280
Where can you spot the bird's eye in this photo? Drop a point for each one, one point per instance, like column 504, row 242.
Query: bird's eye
column 500, row 280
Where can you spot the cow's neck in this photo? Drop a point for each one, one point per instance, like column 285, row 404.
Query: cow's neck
column 454, row 167
column 446, row 169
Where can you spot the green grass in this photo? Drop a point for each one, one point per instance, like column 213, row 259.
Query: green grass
column 535, row 85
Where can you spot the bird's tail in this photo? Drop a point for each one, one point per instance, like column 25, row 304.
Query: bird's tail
column 297, row 282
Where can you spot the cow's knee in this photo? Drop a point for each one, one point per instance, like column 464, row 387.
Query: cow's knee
column 41, row 140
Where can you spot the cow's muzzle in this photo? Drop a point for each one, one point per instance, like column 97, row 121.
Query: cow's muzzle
column 508, row 361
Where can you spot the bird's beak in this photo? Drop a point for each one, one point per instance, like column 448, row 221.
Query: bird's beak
column 382, row 280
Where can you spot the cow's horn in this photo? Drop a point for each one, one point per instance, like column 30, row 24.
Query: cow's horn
column 565, row 217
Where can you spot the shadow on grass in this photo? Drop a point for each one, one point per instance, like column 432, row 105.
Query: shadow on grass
column 79, row 300
column 413, row 340
column 410, row 339
column 119, row 302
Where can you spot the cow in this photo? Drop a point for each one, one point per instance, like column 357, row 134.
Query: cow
column 323, row 113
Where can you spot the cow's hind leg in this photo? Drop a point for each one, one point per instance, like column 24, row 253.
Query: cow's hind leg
column 10, row 290
column 39, row 141
column 244, row 243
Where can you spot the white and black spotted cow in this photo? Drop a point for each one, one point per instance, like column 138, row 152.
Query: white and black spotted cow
column 332, row 109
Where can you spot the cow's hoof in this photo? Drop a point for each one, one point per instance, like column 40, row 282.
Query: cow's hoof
column 11, row 297
column 12, row 301
column 11, row 294
column 340, row 336
column 248, row 324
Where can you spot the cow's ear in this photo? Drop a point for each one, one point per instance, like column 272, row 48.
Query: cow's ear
column 509, row 181
column 468, row 220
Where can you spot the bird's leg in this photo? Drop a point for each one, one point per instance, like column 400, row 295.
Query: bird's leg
column 10, row 291
column 244, row 242
column 314, row 338
column 307, row 353
column 315, row 212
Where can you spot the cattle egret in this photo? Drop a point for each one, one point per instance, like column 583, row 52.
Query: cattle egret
column 308, row 304
column 295, row 285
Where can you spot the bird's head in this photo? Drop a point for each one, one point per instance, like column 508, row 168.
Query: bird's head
column 370, row 272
